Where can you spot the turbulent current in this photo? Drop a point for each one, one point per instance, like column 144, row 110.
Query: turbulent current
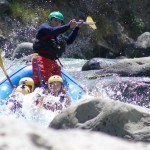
column 125, row 89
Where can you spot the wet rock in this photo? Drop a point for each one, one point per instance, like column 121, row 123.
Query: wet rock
column 122, row 67
column 91, row 65
column 130, row 67
column 99, row 63
column 140, row 48
column 143, row 41
column 23, row 49
column 4, row 5
column 30, row 137
column 104, row 115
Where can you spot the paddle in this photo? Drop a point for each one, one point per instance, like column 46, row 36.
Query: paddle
column 2, row 66
column 89, row 21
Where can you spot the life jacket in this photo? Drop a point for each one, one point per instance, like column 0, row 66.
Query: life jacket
column 50, row 46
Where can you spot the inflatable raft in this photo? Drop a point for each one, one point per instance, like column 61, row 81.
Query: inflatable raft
column 74, row 90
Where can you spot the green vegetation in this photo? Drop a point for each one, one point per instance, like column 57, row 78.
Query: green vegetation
column 106, row 29
column 27, row 14
column 137, row 25
column 133, row 24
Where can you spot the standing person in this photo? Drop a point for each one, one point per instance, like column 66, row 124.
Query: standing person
column 50, row 44
column 56, row 98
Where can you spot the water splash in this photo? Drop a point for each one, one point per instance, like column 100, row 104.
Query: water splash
column 31, row 112
column 17, row 36
column 128, row 90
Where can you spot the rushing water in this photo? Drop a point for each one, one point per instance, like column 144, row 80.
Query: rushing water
column 128, row 90
column 29, row 111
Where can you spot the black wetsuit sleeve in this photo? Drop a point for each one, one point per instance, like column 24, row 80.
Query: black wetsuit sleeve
column 71, row 37
column 45, row 29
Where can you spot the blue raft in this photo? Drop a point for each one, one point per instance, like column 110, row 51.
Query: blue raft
column 74, row 90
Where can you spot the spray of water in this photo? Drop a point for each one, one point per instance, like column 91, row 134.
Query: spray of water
column 30, row 111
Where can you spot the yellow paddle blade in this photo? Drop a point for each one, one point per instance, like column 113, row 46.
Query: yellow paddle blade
column 91, row 22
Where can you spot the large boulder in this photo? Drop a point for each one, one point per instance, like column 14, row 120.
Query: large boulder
column 138, row 67
column 104, row 115
column 16, row 134
column 122, row 67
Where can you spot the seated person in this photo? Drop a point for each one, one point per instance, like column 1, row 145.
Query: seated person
column 56, row 97
column 28, row 82
column 14, row 102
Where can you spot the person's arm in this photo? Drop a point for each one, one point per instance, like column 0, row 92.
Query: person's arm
column 46, row 29
column 72, row 36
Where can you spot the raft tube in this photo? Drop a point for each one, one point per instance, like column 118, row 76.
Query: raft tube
column 74, row 90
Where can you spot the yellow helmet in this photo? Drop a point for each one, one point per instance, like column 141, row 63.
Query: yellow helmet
column 23, row 89
column 27, row 81
column 55, row 78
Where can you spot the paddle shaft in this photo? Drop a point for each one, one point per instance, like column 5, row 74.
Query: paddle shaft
column 7, row 76
column 88, row 23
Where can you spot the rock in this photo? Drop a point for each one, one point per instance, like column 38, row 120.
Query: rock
column 140, row 48
column 4, row 5
column 109, row 116
column 91, row 65
column 143, row 41
column 99, row 63
column 122, row 67
column 16, row 134
column 138, row 67
column 23, row 49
